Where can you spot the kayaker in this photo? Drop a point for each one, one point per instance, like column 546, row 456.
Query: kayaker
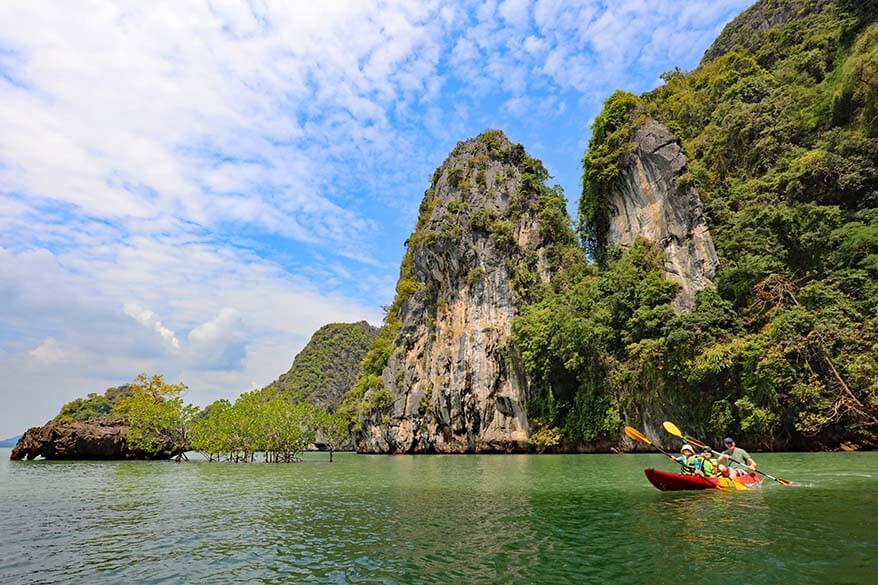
column 705, row 464
column 738, row 460
column 686, row 459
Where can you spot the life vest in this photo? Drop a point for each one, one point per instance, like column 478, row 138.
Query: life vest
column 708, row 465
column 688, row 463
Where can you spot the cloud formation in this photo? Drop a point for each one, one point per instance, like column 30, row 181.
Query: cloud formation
column 194, row 188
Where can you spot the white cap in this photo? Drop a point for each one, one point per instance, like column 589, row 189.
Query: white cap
column 687, row 446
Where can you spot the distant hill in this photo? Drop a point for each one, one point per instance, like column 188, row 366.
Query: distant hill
column 10, row 442
column 328, row 365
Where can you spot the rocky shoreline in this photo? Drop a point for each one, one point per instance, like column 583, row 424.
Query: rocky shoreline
column 98, row 439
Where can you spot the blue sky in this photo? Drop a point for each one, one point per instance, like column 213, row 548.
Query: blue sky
column 193, row 188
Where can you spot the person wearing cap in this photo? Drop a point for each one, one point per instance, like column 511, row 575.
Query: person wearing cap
column 738, row 460
column 686, row 459
column 705, row 464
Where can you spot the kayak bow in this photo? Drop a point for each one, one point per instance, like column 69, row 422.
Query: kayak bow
column 669, row 481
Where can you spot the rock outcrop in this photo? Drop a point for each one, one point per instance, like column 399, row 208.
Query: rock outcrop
column 103, row 438
column 453, row 381
column 657, row 201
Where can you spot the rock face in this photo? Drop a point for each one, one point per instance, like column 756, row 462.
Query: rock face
column 453, row 381
column 95, row 439
column 656, row 201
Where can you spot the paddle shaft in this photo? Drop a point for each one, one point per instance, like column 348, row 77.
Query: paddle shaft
column 660, row 450
column 638, row 436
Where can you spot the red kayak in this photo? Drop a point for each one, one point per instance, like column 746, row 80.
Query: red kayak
column 668, row 481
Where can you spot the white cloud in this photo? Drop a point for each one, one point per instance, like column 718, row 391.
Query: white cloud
column 148, row 319
column 219, row 344
column 516, row 12
column 48, row 352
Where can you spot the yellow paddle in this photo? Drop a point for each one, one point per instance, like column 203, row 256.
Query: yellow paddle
column 638, row 436
column 674, row 430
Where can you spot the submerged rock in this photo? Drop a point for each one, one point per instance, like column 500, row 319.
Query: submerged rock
column 656, row 200
column 103, row 438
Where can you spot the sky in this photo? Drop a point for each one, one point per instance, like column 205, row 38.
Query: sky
column 193, row 188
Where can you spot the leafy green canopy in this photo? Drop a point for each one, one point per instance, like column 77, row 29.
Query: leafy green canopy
column 93, row 406
column 264, row 421
column 781, row 137
column 158, row 418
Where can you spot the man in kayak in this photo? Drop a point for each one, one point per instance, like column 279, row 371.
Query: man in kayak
column 687, row 459
column 739, row 461
column 705, row 464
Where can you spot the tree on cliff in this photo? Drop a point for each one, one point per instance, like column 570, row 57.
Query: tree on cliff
column 158, row 417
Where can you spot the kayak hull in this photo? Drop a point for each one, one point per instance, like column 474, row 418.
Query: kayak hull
column 668, row 481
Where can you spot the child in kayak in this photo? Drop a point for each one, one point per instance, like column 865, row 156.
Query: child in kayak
column 705, row 464
column 686, row 459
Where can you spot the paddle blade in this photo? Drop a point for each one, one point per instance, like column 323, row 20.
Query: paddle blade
column 672, row 428
column 727, row 482
column 783, row 481
column 637, row 435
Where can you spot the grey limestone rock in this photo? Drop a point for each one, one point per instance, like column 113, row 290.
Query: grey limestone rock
column 655, row 200
column 455, row 378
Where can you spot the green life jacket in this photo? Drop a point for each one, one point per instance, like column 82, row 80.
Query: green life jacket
column 707, row 465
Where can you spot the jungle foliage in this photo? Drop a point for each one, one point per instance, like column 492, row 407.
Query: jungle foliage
column 158, row 418
column 781, row 135
column 270, row 423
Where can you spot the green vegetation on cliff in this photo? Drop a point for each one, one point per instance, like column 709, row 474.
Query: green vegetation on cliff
column 780, row 128
column 158, row 418
column 328, row 365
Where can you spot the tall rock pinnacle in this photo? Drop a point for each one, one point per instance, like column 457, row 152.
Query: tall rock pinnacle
column 486, row 237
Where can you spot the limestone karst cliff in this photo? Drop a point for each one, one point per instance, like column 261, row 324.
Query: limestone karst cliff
column 752, row 29
column 444, row 375
column 778, row 125
column 655, row 199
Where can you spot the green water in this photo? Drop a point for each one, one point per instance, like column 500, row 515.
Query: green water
column 433, row 519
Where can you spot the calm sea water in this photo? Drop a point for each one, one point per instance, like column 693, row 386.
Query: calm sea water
column 433, row 519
